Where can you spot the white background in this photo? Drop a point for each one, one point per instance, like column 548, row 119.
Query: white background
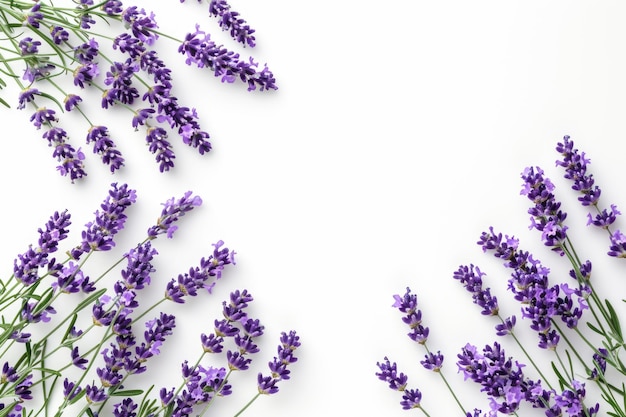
column 396, row 137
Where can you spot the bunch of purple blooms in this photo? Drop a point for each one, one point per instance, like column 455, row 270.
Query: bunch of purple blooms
column 571, row 320
column 43, row 42
column 81, row 360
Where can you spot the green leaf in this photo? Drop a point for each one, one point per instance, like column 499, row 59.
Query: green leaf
column 6, row 411
column 78, row 396
column 50, row 371
column 569, row 360
column 614, row 321
column 562, row 381
column 87, row 301
column 147, row 407
column 595, row 329
column 69, row 327
column 89, row 412
column 44, row 301
column 127, row 393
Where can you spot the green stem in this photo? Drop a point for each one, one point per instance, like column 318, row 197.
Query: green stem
column 249, row 403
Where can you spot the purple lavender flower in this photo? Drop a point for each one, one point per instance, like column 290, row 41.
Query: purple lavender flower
column 237, row 361
column 411, row 398
column 32, row 312
column 141, row 116
column 34, row 16
column 471, row 278
column 112, row 7
column 599, row 364
column 70, row 159
column 59, row 35
column 70, row 390
column 71, row 101
column 22, row 389
column 289, row 342
column 141, row 25
column 230, row 21
column 70, row 279
column 95, row 394
column 26, row 266
column 234, row 311
column 9, row 374
column 172, row 211
column 119, row 78
column 212, row 343
column 204, row 53
column 204, row 276
column 85, row 74
column 202, row 385
column 28, row 46
column 27, row 96
column 154, row 336
column 101, row 316
column 20, row 337
column 433, row 361
column 158, row 145
column 127, row 408
column 618, row 245
column 529, row 283
column 99, row 234
column 571, row 400
column 136, row 275
column 38, row 67
column 413, row 317
column 575, row 165
column 104, row 146
column 86, row 52
column 77, row 359
column 224, row 328
column 500, row 378
column 43, row 116
column 506, row 327
column 86, row 20
column 546, row 215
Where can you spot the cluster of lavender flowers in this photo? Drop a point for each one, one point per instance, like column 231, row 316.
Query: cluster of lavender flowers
column 571, row 320
column 81, row 361
column 45, row 42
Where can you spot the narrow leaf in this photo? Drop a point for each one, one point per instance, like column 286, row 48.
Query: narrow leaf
column 127, row 393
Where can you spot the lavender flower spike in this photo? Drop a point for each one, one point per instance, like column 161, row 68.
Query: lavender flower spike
column 26, row 266
column 200, row 50
column 205, row 276
column 98, row 235
column 289, row 342
column 575, row 165
column 230, row 21
column 172, row 211
column 411, row 398
column 413, row 317
column 546, row 215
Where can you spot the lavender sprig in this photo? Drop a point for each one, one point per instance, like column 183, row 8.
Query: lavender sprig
column 43, row 42
column 575, row 165
column 567, row 317
column 59, row 367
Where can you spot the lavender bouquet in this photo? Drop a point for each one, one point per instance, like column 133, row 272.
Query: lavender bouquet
column 75, row 344
column 577, row 328
column 59, row 55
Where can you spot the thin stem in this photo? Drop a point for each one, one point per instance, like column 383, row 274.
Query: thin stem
column 249, row 403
